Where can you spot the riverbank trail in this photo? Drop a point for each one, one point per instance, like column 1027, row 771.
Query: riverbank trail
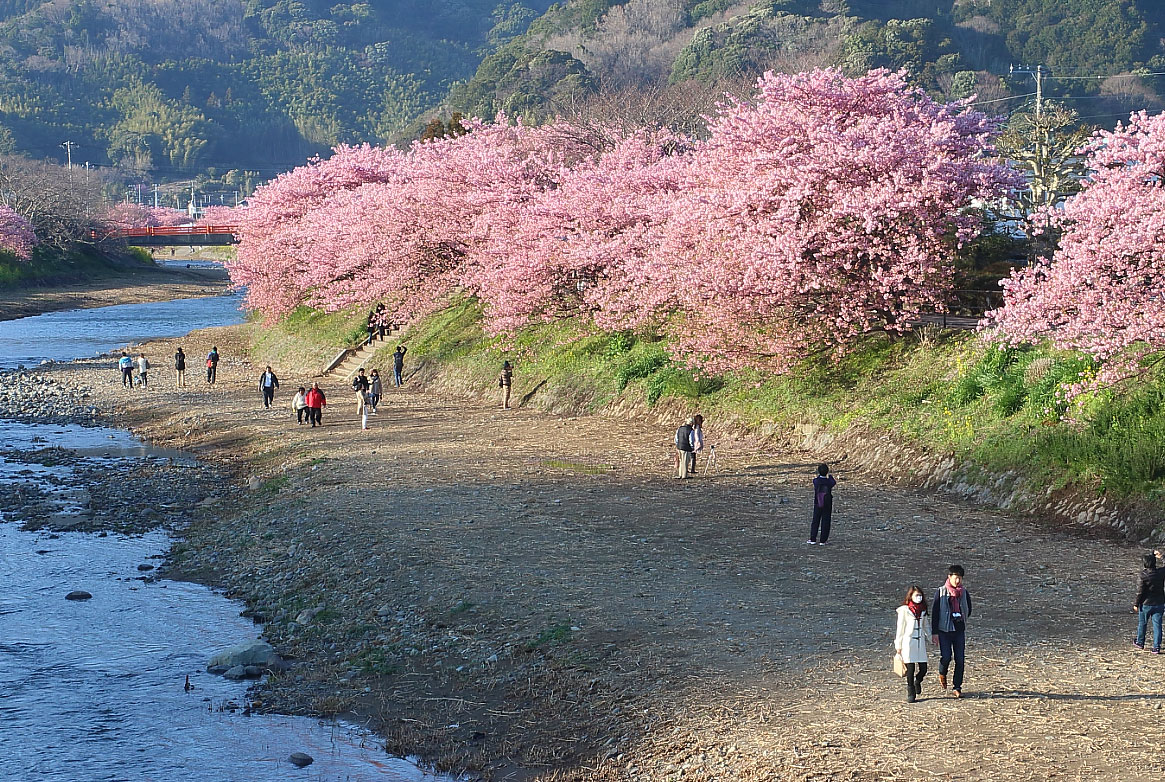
column 521, row 595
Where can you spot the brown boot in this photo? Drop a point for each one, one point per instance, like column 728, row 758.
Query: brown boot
column 942, row 680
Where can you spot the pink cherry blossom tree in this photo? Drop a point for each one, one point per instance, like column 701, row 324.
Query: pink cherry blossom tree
column 16, row 234
column 825, row 209
column 127, row 215
column 1101, row 292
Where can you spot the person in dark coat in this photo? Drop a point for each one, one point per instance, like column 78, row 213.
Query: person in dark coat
column 1150, row 602
column 948, row 617
column 822, row 505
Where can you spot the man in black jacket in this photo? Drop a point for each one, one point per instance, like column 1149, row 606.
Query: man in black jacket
column 1150, row 602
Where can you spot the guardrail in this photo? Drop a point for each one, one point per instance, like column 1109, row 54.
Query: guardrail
column 168, row 230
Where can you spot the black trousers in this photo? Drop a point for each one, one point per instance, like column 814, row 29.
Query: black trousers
column 315, row 415
column 268, row 395
column 127, row 377
column 914, row 674
column 299, row 414
column 210, row 373
column 822, row 517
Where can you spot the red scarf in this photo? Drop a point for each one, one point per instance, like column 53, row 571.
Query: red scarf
column 916, row 608
column 956, row 593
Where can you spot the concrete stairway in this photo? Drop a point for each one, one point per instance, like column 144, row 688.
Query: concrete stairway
column 348, row 362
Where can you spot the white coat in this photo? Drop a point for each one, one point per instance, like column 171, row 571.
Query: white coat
column 912, row 636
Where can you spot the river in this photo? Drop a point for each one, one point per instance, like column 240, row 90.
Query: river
column 95, row 689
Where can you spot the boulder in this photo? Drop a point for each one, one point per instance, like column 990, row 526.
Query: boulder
column 78, row 594
column 257, row 653
column 300, row 759
column 235, row 673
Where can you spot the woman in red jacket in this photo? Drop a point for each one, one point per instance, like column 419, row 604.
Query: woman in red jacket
column 314, row 400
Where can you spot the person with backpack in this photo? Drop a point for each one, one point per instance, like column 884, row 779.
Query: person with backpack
column 315, row 401
column 822, row 505
column 1150, row 602
column 125, row 364
column 180, row 369
column 143, row 370
column 268, row 382
column 683, row 443
column 398, row 364
column 910, row 639
column 212, row 365
column 949, row 615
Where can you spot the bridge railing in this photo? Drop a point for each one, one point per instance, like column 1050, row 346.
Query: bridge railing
column 167, row 230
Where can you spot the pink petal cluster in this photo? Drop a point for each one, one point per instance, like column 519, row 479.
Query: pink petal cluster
column 16, row 233
column 218, row 215
column 1101, row 292
column 820, row 211
column 128, row 215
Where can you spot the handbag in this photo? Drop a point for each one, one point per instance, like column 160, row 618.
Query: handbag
column 899, row 666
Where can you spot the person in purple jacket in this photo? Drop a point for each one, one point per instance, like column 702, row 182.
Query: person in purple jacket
column 822, row 505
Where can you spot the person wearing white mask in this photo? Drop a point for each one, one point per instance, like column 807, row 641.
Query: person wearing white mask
column 911, row 637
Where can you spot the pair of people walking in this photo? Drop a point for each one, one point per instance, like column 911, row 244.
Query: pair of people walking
column 942, row 623
column 1150, row 602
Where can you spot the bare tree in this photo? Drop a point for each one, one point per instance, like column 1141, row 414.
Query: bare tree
column 61, row 203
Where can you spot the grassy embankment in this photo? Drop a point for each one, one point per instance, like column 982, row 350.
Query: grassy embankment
column 945, row 391
column 51, row 266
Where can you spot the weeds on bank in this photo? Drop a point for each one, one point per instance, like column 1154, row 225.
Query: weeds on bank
column 552, row 636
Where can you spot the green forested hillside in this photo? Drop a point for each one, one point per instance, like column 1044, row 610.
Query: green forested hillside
column 243, row 89
column 954, row 48
column 173, row 87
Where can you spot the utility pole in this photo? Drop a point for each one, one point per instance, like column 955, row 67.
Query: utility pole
column 155, row 195
column 1036, row 73
column 68, row 145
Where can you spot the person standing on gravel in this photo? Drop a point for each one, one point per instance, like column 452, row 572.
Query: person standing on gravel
column 212, row 365
column 315, row 400
column 143, row 370
column 506, row 382
column 360, row 386
column 1150, row 602
column 180, row 369
column 299, row 405
column 697, row 442
column 268, row 382
column 683, row 443
column 398, row 365
column 910, row 639
column 125, row 364
column 822, row 505
column 375, row 389
column 949, row 615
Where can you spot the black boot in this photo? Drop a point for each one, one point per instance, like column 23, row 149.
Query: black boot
column 911, row 693
column 918, row 685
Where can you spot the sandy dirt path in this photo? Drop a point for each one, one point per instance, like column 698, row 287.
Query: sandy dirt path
column 513, row 594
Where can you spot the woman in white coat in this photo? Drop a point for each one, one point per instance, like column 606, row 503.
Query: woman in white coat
column 911, row 638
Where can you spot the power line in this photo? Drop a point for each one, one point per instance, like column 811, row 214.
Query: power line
column 997, row 100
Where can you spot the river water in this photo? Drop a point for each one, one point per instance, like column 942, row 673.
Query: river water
column 63, row 336
column 95, row 689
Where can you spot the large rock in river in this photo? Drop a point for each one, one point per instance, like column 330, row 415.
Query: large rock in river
column 257, row 653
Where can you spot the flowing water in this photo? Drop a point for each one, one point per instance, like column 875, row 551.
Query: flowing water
column 69, row 334
column 95, row 689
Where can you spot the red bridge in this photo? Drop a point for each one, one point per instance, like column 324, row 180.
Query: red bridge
column 172, row 235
